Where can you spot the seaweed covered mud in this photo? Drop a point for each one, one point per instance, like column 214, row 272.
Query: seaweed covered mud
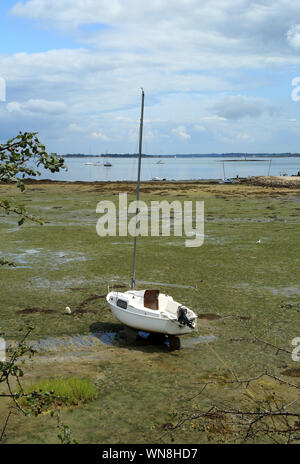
column 246, row 296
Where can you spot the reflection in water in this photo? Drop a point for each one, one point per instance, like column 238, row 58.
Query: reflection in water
column 86, row 342
column 109, row 338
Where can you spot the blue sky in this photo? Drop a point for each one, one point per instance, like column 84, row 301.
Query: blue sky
column 25, row 35
column 217, row 74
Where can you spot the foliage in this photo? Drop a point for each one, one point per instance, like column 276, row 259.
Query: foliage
column 263, row 417
column 33, row 401
column 21, row 157
column 255, row 411
column 17, row 152
column 72, row 390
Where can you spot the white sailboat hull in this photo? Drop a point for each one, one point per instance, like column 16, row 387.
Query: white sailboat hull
column 146, row 319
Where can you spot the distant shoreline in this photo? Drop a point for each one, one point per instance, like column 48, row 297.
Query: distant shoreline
column 209, row 155
column 287, row 182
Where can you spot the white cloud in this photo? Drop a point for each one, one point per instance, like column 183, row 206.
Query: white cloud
column 239, row 106
column 242, row 136
column 186, row 54
column 44, row 106
column 123, row 118
column 233, row 33
column 293, row 36
column 73, row 127
column 99, row 135
column 213, row 118
column 37, row 106
column 14, row 107
column 181, row 132
column 199, row 128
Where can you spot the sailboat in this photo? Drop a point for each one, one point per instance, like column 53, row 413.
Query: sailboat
column 149, row 310
column 225, row 180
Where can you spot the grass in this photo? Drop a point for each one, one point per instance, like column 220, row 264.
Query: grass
column 254, row 288
column 71, row 390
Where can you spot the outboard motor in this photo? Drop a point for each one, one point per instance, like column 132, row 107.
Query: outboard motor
column 182, row 317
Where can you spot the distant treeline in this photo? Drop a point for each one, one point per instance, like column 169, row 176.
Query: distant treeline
column 208, row 155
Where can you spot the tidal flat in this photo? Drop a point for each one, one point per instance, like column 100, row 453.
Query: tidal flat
column 247, row 292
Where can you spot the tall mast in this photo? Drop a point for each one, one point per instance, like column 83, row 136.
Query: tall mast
column 138, row 188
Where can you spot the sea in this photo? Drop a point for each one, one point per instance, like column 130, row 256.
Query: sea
column 91, row 169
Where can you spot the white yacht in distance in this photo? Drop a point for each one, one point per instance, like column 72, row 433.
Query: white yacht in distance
column 93, row 164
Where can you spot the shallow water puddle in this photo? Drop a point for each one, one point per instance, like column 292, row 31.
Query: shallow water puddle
column 192, row 342
column 106, row 338
column 185, row 343
column 27, row 258
column 70, row 343
column 284, row 291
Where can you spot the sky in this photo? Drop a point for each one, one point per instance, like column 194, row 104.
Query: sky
column 219, row 75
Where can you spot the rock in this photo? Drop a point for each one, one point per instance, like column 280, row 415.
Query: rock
column 67, row 310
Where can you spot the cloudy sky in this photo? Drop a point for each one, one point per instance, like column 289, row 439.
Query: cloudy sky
column 217, row 74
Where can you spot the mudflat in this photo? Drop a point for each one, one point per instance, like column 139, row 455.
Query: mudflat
column 247, row 292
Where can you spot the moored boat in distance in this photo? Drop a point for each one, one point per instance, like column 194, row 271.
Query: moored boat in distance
column 93, row 164
column 226, row 181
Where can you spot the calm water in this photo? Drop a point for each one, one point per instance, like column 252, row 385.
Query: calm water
column 171, row 169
